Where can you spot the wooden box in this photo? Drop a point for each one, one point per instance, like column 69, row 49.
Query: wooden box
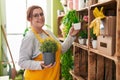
column 108, row 26
column 106, row 45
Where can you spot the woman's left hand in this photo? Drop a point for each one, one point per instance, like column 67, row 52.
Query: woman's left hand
column 73, row 32
column 47, row 66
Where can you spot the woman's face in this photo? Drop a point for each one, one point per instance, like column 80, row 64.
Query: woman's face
column 37, row 19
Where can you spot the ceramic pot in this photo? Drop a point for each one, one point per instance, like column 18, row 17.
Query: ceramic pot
column 94, row 44
column 77, row 26
column 82, row 41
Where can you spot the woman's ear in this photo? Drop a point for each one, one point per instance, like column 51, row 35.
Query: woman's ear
column 30, row 19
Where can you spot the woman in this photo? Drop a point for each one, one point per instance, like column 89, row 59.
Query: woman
column 30, row 57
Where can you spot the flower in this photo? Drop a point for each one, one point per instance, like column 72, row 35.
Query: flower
column 85, row 18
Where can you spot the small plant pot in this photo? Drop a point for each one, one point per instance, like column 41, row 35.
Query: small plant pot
column 77, row 26
column 82, row 41
column 48, row 58
column 94, row 44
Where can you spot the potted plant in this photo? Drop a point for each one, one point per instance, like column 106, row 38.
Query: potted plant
column 77, row 22
column 49, row 48
column 82, row 37
column 68, row 20
column 94, row 38
column 85, row 25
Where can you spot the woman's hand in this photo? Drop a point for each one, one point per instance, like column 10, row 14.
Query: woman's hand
column 73, row 32
column 46, row 66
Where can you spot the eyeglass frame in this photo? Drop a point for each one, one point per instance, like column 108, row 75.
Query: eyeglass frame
column 38, row 14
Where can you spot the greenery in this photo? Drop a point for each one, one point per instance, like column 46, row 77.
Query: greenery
column 92, row 35
column 48, row 45
column 67, row 65
column 66, row 58
column 25, row 31
column 68, row 19
column 83, row 34
column 20, row 72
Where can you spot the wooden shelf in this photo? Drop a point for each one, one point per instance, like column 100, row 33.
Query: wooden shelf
column 75, row 76
column 80, row 46
column 97, row 5
column 103, row 3
column 60, row 16
column 98, row 64
column 59, row 19
column 103, row 54
column 83, row 9
column 95, row 51
column 93, row 64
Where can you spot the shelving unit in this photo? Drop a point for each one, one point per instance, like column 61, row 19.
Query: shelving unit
column 59, row 19
column 77, row 77
column 93, row 64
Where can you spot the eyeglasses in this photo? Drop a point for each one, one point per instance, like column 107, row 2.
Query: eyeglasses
column 37, row 15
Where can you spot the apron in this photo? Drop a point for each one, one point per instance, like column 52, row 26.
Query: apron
column 52, row 73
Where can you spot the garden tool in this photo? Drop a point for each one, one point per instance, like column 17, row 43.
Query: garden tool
column 13, row 70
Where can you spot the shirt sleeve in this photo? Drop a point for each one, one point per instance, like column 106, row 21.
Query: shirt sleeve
column 67, row 43
column 26, row 53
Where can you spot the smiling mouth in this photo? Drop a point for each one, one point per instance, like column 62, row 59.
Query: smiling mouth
column 39, row 21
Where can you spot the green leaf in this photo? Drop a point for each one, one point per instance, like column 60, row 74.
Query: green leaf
column 49, row 46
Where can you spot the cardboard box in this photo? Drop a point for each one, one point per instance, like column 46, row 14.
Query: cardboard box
column 106, row 45
column 108, row 26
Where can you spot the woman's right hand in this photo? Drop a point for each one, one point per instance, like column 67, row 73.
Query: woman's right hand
column 46, row 66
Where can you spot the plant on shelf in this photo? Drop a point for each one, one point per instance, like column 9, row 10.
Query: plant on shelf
column 49, row 48
column 92, row 35
column 94, row 38
column 82, row 36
